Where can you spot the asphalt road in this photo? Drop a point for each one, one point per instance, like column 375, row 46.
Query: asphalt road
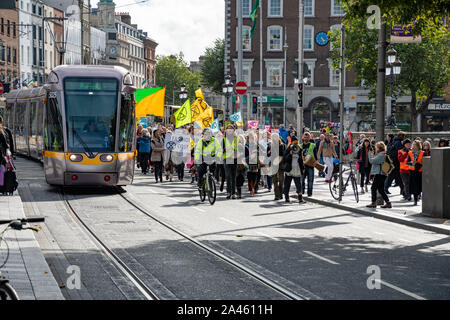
column 316, row 251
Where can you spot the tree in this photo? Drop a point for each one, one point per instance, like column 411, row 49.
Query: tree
column 426, row 68
column 171, row 72
column 212, row 71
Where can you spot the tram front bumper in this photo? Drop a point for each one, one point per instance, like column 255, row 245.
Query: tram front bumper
column 90, row 179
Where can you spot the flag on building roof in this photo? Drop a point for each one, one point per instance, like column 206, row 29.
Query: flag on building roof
column 30, row 83
column 183, row 115
column 150, row 102
column 254, row 16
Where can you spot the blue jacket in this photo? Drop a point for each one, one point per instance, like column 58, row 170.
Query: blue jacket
column 283, row 134
column 376, row 162
column 144, row 144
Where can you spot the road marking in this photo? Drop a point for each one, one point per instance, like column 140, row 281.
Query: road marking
column 151, row 191
column 404, row 240
column 320, row 257
column 379, row 233
column 266, row 235
column 413, row 295
column 356, row 227
column 198, row 209
column 172, row 199
column 229, row 221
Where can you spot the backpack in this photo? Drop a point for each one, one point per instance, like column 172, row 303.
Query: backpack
column 388, row 166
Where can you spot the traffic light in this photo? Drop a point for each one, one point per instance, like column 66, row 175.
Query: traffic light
column 300, row 95
column 255, row 105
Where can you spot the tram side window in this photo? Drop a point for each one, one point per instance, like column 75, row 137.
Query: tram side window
column 126, row 129
column 53, row 132
column 9, row 117
column 32, row 124
column 20, row 118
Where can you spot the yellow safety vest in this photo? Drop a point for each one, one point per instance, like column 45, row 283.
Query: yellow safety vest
column 230, row 148
column 211, row 149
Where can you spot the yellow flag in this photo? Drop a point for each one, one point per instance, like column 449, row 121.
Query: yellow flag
column 199, row 94
column 150, row 103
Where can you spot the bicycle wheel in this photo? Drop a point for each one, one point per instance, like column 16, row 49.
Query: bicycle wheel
column 334, row 188
column 7, row 292
column 202, row 192
column 355, row 188
column 211, row 191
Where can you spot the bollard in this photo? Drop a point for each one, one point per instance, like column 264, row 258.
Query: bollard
column 436, row 184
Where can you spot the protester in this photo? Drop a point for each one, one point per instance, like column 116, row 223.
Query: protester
column 415, row 163
column 379, row 176
column 157, row 157
column 144, row 150
column 393, row 152
column 308, row 150
column 427, row 149
column 278, row 174
column 252, row 159
column 443, row 143
column 363, row 164
column 326, row 149
column 404, row 168
column 230, row 160
column 241, row 166
column 207, row 151
column 4, row 143
column 294, row 168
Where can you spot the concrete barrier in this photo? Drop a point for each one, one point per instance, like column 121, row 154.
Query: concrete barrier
column 436, row 184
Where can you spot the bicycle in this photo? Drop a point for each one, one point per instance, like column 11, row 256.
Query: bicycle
column 209, row 187
column 334, row 185
column 7, row 292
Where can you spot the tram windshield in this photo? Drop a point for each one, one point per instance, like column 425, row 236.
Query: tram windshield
column 91, row 113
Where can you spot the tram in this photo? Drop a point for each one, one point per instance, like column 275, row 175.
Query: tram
column 80, row 124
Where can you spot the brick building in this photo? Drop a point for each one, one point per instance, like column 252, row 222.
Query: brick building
column 280, row 19
column 9, row 48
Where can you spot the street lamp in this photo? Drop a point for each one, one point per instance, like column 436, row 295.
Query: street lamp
column 227, row 89
column 183, row 93
column 393, row 69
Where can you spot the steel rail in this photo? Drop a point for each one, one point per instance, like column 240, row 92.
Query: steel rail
column 266, row 281
column 120, row 265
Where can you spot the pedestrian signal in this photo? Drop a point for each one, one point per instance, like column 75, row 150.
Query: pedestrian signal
column 255, row 105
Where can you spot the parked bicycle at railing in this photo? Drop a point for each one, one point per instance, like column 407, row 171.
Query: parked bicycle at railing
column 7, row 292
column 334, row 184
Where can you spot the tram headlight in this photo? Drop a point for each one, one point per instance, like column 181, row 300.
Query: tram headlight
column 76, row 158
column 106, row 158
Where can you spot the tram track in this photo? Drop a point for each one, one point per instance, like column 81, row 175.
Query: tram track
column 140, row 284
column 289, row 294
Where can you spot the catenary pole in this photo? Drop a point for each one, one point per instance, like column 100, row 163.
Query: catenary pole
column 381, row 78
column 261, row 61
column 300, row 65
column 341, row 108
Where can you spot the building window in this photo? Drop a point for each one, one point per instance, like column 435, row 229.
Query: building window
column 40, row 11
column 334, row 76
column 311, row 63
column 247, row 66
column 112, row 36
column 28, row 56
column 8, row 28
column 246, row 8
column 14, row 56
column 14, row 29
column 34, row 32
column 34, row 57
column 274, row 42
column 308, row 42
column 336, row 9
column 9, row 54
column 246, row 40
column 275, row 8
column 33, row 8
column 274, row 73
column 309, row 8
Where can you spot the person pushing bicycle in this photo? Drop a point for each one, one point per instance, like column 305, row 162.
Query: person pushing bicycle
column 207, row 151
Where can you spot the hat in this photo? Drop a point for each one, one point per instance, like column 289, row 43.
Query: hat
column 390, row 135
column 406, row 141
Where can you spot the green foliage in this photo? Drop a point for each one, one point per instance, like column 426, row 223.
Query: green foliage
column 212, row 72
column 171, row 72
column 424, row 13
column 425, row 70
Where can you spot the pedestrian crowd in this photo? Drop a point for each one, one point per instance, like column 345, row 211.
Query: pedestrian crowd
column 274, row 159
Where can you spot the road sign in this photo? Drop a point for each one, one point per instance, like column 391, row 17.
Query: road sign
column 241, row 87
column 1, row 89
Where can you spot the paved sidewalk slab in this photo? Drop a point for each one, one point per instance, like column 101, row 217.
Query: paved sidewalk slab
column 26, row 269
column 402, row 212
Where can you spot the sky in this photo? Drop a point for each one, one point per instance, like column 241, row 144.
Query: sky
column 189, row 26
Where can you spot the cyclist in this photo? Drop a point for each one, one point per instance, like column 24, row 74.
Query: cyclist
column 207, row 151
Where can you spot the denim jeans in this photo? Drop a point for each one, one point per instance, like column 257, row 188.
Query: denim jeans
column 309, row 172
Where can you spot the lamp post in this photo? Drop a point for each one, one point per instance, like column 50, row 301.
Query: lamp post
column 393, row 69
column 227, row 89
column 285, row 48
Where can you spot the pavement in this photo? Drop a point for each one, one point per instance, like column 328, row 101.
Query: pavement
column 26, row 268
column 403, row 212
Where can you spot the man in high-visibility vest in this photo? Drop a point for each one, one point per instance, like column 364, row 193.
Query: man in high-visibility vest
column 404, row 168
column 415, row 163
column 230, row 160
column 207, row 152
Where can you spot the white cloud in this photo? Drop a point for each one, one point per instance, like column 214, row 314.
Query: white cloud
column 178, row 25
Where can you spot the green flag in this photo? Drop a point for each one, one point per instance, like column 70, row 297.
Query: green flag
column 254, row 16
column 183, row 115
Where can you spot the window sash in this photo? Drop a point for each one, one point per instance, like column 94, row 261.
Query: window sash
column 274, row 41
column 275, row 8
column 336, row 9
column 274, row 74
column 308, row 40
column 309, row 8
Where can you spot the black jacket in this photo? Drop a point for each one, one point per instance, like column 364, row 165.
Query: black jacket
column 4, row 145
column 393, row 149
column 287, row 161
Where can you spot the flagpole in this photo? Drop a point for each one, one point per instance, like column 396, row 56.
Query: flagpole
column 261, row 61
